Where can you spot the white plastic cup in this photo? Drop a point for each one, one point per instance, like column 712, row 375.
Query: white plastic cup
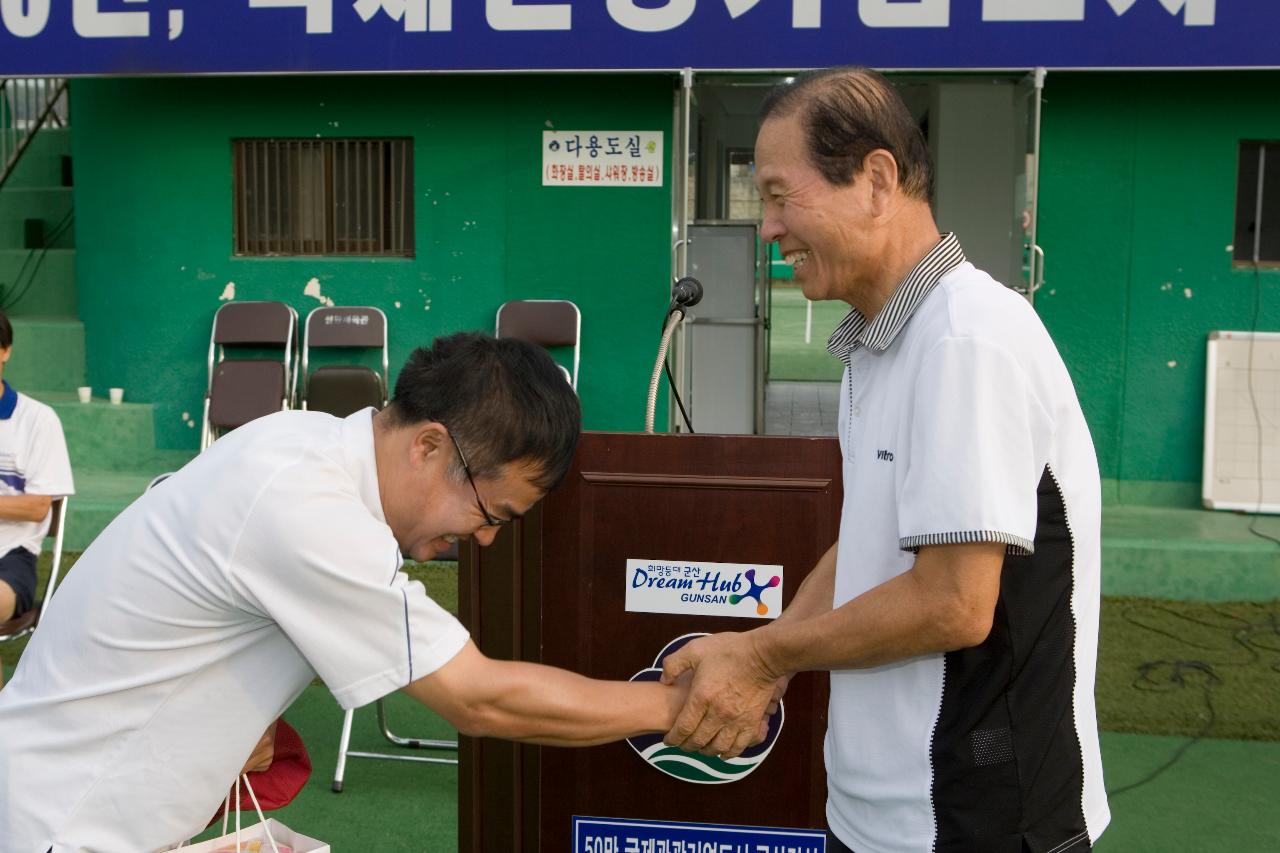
column 117, row 395
column 85, row 393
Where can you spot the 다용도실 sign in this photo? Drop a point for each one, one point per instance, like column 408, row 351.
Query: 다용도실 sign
column 602, row 158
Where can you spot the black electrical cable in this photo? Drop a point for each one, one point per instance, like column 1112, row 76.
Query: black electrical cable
column 1170, row 674
column 1253, row 400
column 53, row 237
column 22, row 270
column 1177, row 670
column 672, row 382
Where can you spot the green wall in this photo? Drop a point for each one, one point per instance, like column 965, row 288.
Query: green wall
column 154, row 222
column 1137, row 211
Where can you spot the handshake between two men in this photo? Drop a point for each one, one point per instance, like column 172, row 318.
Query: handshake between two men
column 733, row 692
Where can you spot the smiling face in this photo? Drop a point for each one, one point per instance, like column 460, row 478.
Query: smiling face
column 826, row 232
column 429, row 504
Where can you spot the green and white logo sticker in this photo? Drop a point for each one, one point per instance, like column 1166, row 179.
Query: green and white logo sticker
column 693, row 766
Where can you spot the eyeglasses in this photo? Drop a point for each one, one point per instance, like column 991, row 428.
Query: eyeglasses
column 489, row 520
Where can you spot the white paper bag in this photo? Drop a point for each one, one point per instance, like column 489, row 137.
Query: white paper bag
column 254, row 839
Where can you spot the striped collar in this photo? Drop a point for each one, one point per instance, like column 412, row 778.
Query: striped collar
column 854, row 330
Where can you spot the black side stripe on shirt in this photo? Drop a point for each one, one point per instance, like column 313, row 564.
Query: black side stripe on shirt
column 1008, row 771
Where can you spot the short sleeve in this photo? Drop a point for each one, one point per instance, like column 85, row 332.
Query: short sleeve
column 978, row 439
column 316, row 561
column 48, row 467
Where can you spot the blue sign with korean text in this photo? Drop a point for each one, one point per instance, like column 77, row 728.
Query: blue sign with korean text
column 624, row 835
column 69, row 37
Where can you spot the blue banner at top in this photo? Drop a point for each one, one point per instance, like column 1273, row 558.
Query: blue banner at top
column 69, row 37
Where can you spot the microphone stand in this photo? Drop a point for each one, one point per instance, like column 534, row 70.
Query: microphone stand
column 686, row 293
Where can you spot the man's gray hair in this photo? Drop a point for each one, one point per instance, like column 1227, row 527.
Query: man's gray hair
column 848, row 113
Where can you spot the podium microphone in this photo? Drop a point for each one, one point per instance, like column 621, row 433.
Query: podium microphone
column 685, row 293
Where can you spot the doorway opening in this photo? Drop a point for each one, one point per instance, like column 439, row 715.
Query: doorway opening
column 982, row 131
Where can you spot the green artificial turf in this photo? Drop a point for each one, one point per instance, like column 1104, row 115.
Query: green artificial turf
column 790, row 358
column 1190, row 668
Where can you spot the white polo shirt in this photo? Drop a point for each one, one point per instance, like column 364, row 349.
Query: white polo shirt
column 959, row 423
column 33, row 461
column 193, row 621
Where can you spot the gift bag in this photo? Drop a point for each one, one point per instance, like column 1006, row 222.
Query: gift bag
column 266, row 836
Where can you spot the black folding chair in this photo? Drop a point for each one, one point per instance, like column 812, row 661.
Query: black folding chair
column 545, row 322
column 242, row 389
column 341, row 389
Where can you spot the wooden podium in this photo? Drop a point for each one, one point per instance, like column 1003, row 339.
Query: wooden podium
column 552, row 589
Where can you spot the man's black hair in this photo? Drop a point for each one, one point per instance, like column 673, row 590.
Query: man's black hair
column 502, row 400
column 6, row 331
column 848, row 113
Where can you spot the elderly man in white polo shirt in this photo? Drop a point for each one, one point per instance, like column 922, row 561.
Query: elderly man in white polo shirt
column 958, row 612
column 205, row 608
column 34, row 469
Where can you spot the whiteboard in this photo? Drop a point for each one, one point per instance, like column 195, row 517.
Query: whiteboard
column 1242, row 422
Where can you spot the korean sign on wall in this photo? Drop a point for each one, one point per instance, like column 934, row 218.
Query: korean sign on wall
column 57, row 37
column 602, row 158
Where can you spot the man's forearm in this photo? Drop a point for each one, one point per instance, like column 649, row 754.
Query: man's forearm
column 24, row 507
column 542, row 704
column 946, row 602
column 553, row 707
column 817, row 592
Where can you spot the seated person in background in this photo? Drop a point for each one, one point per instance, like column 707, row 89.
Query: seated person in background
column 34, row 469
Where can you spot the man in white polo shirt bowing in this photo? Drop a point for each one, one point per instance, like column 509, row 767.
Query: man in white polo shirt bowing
column 958, row 612
column 205, row 608
column 34, row 469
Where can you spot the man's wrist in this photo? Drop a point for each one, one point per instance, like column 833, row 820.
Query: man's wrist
column 767, row 651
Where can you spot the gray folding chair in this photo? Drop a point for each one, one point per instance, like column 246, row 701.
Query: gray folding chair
column 242, row 389
column 545, row 322
column 20, row 626
column 341, row 389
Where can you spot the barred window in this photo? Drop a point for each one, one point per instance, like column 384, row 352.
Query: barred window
column 323, row 196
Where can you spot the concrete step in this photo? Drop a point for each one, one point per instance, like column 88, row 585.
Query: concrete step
column 42, row 163
column 43, row 282
column 48, row 354
column 51, row 205
column 101, row 435
column 1189, row 554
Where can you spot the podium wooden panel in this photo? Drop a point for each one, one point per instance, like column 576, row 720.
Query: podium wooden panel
column 552, row 589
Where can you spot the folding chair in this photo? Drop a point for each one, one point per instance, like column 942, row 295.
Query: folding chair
column 341, row 389
column 20, row 626
column 413, row 743
column 545, row 322
column 242, row 389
